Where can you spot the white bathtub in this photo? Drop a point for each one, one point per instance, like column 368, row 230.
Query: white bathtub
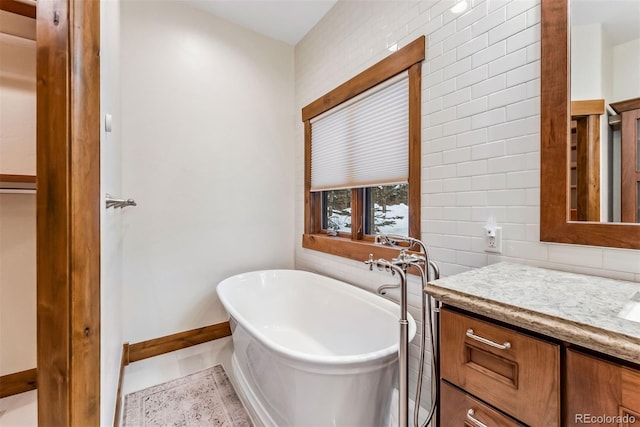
column 310, row 350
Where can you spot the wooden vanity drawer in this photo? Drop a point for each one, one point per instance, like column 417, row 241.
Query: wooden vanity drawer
column 601, row 392
column 514, row 372
column 461, row 409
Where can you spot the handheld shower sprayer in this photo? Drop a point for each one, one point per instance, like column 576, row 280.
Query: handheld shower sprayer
column 428, row 270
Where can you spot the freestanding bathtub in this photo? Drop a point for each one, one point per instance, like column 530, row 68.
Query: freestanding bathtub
column 310, row 350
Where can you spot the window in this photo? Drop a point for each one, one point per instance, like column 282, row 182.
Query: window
column 387, row 210
column 336, row 211
column 362, row 158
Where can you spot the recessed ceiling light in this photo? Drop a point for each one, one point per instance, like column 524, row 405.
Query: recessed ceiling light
column 460, row 7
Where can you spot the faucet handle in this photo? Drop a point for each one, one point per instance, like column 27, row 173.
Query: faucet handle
column 370, row 262
column 401, row 258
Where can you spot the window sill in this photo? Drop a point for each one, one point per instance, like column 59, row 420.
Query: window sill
column 347, row 248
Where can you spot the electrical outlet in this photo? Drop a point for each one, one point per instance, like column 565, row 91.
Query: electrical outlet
column 493, row 240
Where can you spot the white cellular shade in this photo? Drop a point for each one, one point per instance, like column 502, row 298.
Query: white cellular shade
column 363, row 142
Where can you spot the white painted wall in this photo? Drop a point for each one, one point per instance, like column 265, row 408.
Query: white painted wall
column 208, row 153
column 17, row 211
column 17, row 283
column 626, row 60
column 607, row 94
column 592, row 78
column 481, row 137
column 17, row 105
column 111, row 313
column 587, row 62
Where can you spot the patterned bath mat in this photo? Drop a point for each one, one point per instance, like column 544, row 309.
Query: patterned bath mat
column 205, row 398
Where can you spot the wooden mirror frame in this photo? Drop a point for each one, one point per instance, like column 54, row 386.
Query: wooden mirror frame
column 555, row 122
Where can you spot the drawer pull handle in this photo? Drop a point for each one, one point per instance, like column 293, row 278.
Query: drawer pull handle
column 473, row 336
column 470, row 417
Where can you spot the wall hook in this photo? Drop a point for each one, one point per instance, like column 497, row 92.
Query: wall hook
column 118, row 202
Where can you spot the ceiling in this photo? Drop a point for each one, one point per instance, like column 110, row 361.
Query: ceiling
column 620, row 19
column 284, row 20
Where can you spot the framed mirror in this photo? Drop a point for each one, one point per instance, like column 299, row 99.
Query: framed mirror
column 580, row 200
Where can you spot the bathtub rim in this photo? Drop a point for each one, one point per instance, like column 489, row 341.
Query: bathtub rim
column 345, row 360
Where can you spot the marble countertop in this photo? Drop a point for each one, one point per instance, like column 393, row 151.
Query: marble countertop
column 589, row 311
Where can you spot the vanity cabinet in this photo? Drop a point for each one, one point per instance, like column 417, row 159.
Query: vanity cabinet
column 538, row 346
column 596, row 389
column 494, row 375
column 461, row 409
column 515, row 373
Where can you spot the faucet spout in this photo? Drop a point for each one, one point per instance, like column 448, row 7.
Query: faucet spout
column 382, row 290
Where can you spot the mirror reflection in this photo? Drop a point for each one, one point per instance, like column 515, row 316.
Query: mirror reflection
column 605, row 111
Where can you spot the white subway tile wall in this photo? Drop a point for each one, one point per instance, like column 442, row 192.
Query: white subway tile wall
column 480, row 130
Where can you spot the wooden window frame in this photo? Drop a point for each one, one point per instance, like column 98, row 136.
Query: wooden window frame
column 356, row 245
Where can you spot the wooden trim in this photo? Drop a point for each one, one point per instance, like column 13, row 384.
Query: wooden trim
column 157, row 346
column 357, row 213
column 68, row 212
column 555, row 225
column 308, row 210
column 18, row 178
column 19, row 8
column 554, row 118
column 84, row 186
column 629, row 166
column 357, row 250
column 54, row 287
column 124, row 361
column 415, row 149
column 587, row 107
column 395, row 63
column 18, row 382
column 588, row 168
column 312, row 200
column 17, row 182
column 622, row 106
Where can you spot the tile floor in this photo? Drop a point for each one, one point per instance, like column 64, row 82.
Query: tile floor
column 169, row 366
column 21, row 410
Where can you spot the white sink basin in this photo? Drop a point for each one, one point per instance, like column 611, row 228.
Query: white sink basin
column 631, row 311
